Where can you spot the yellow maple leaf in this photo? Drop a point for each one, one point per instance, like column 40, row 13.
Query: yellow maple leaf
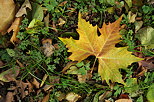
column 110, row 58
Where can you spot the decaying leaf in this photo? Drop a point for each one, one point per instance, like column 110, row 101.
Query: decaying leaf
column 37, row 12
column 17, row 90
column 36, row 83
column 23, row 8
column 82, row 78
column 46, row 20
column 46, row 98
column 61, row 21
column 146, row 36
column 43, row 80
column 124, row 100
column 1, row 63
column 15, row 27
column 72, row 97
column 9, row 75
column 60, row 96
column 47, row 87
column 102, row 47
column 131, row 17
column 148, row 63
column 22, row 86
column 48, row 48
column 9, row 97
column 63, row 3
column 7, row 10
column 68, row 65
column 138, row 25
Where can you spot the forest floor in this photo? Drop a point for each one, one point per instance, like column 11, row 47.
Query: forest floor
column 77, row 51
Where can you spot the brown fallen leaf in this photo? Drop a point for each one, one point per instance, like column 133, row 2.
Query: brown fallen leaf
column 148, row 63
column 72, row 97
column 9, row 97
column 124, row 100
column 54, row 79
column 84, row 78
column 48, row 48
column 21, row 88
column 46, row 98
column 23, row 8
column 48, row 87
column 61, row 22
column 68, row 65
column 131, row 17
column 63, row 3
column 30, row 86
column 18, row 90
column 9, row 75
column 7, row 10
column 46, row 20
column 123, row 96
column 107, row 101
column 104, row 95
column 60, row 96
column 36, row 83
column 15, row 28
column 1, row 63
column 20, row 64
column 54, row 26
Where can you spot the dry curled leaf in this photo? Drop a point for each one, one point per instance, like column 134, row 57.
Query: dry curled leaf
column 9, row 97
column 61, row 21
column 15, row 27
column 111, row 59
column 46, row 98
column 72, row 97
column 148, row 63
column 43, row 80
column 36, row 83
column 48, row 48
column 63, row 3
column 1, row 63
column 9, row 75
column 7, row 14
column 131, row 17
column 124, row 100
column 23, row 8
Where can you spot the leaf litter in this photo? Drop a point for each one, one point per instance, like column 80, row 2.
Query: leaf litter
column 111, row 59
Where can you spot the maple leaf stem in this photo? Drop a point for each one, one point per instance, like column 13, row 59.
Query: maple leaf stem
column 93, row 66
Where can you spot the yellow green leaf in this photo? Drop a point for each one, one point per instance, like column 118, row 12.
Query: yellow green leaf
column 111, row 62
column 111, row 59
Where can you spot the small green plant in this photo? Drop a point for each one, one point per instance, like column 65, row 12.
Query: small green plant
column 148, row 17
